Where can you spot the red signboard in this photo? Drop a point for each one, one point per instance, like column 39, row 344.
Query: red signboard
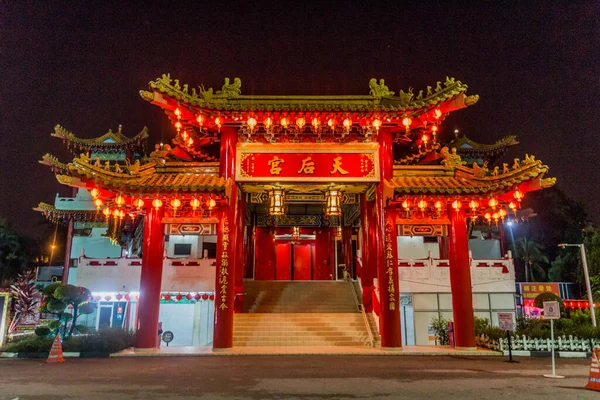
column 531, row 290
column 313, row 162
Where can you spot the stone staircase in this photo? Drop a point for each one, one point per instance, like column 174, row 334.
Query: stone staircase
column 286, row 313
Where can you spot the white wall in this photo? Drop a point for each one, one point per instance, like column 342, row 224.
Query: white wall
column 191, row 324
column 414, row 248
column 95, row 245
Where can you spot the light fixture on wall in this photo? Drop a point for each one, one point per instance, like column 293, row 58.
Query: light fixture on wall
column 333, row 203
column 276, row 201
column 338, row 232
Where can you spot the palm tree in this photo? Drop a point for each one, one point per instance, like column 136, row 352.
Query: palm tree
column 531, row 253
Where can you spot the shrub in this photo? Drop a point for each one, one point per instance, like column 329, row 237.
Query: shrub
column 103, row 341
column 42, row 331
column 494, row 333
column 481, row 325
column 548, row 296
column 440, row 327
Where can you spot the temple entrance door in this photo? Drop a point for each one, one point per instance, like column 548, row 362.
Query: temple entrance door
column 294, row 262
column 303, row 262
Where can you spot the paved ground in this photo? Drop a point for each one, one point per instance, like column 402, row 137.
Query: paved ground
column 293, row 377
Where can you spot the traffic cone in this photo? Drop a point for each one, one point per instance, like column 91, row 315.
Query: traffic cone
column 594, row 379
column 56, row 353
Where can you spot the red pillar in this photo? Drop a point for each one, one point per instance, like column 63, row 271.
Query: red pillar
column 240, row 261
column 226, row 247
column 443, row 244
column 368, row 251
column 460, row 281
column 146, row 336
column 387, row 251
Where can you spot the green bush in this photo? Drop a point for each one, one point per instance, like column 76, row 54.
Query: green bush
column 440, row 327
column 42, row 331
column 104, row 341
column 548, row 296
column 494, row 333
column 481, row 325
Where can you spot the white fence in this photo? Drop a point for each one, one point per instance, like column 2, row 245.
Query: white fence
column 561, row 343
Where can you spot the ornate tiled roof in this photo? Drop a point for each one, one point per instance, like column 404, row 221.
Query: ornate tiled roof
column 380, row 98
column 465, row 145
column 62, row 216
column 455, row 179
column 110, row 140
column 148, row 178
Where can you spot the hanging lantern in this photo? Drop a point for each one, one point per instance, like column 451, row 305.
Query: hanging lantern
column 175, row 203
column 284, row 122
column 179, row 297
column 406, row 205
column 200, row 120
column 438, row 205
column 98, row 204
column 107, row 298
column 211, row 203
column 97, row 298
column 496, row 217
column 211, row 297
column 119, row 296
column 347, row 124
column 188, row 296
column 127, row 297
column 456, row 204
column 488, row 217
column 473, row 204
column 434, row 131
column 296, row 233
column 437, row 113
column 178, row 126
column 338, row 232
column 251, row 123
column 407, row 122
column 106, row 212
column 120, row 200
column 204, row 297
column 333, row 201
column 94, row 192
column 331, row 123
column 197, row 297
column 518, row 195
column 300, row 122
column 316, row 123
column 513, row 207
column 502, row 214
column 178, row 113
column 422, row 204
column 121, row 214
column 184, row 135
column 268, row 123
column 276, row 201
column 115, row 213
column 218, row 123
column 157, row 204
column 493, row 203
column 424, row 139
column 195, row 203
column 138, row 203
column 167, row 297
column 376, row 124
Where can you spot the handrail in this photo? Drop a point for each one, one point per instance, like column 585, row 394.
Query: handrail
column 364, row 315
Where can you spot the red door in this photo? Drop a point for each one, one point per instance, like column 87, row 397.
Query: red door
column 302, row 262
column 283, row 255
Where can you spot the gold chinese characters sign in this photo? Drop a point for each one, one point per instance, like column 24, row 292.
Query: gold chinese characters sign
column 307, row 162
column 224, row 265
column 389, row 264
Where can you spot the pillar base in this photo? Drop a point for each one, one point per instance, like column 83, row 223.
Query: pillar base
column 391, row 348
column 222, row 350
column 465, row 348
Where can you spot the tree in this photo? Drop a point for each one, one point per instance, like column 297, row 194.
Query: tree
column 9, row 248
column 531, row 253
column 25, row 298
column 59, row 297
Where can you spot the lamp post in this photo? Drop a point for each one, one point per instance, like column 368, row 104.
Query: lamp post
column 587, row 277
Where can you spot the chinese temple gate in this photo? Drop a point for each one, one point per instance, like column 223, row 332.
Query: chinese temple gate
column 280, row 178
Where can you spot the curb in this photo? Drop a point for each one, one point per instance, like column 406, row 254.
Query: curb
column 558, row 354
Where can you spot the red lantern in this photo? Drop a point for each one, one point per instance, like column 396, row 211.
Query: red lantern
column 119, row 296
column 204, row 297
column 188, row 296
column 179, row 297
column 212, row 297
column 197, row 297
column 168, row 297
column 97, row 298
column 137, row 296
column 127, row 297
column 107, row 298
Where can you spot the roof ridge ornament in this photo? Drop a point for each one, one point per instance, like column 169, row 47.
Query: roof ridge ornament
column 450, row 159
column 379, row 90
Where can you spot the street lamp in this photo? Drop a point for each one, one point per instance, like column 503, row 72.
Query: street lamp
column 587, row 277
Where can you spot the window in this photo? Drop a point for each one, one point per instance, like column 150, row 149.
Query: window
column 182, row 249
column 430, row 239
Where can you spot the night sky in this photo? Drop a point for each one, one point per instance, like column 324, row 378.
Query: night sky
column 536, row 67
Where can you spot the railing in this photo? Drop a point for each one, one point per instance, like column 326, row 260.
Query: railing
column 364, row 315
column 561, row 343
column 131, row 262
column 437, row 271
